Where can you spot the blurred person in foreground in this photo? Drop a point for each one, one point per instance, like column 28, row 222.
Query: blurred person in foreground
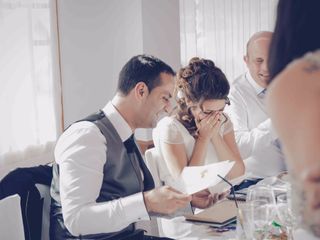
column 294, row 101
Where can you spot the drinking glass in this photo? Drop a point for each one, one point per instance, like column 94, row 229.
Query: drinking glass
column 262, row 218
column 263, row 200
column 285, row 214
column 245, row 221
column 261, row 192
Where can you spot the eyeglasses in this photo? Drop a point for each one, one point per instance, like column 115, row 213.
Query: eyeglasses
column 213, row 112
column 197, row 107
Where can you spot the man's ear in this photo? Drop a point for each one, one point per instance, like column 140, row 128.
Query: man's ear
column 245, row 59
column 141, row 90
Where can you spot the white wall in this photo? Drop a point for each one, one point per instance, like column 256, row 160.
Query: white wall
column 161, row 37
column 161, row 30
column 97, row 37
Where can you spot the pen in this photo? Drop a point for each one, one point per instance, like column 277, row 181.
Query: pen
column 232, row 187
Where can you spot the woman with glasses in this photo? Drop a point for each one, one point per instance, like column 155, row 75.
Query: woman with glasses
column 198, row 132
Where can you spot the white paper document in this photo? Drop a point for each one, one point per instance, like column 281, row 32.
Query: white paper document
column 196, row 178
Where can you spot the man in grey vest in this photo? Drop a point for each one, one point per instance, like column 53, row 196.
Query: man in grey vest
column 101, row 185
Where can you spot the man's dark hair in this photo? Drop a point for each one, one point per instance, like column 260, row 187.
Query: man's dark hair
column 296, row 33
column 142, row 68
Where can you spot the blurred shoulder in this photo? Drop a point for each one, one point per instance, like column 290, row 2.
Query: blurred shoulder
column 307, row 66
column 301, row 75
column 296, row 87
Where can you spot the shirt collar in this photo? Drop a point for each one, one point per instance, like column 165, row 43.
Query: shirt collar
column 258, row 89
column 119, row 123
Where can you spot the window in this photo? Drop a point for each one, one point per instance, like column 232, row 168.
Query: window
column 220, row 29
column 30, row 102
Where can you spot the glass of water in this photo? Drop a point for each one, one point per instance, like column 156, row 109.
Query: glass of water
column 245, row 221
column 285, row 214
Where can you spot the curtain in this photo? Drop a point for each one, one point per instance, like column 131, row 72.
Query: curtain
column 220, row 29
column 30, row 94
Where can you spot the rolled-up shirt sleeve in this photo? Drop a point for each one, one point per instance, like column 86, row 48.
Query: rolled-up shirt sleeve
column 81, row 156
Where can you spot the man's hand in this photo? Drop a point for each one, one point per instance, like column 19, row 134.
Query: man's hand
column 205, row 199
column 165, row 200
column 223, row 195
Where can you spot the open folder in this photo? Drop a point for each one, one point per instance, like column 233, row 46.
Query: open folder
column 219, row 215
column 196, row 178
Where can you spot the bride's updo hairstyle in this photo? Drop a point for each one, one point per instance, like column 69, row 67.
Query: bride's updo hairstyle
column 199, row 81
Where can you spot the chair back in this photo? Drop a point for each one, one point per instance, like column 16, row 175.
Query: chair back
column 152, row 157
column 161, row 176
column 11, row 226
column 158, row 168
column 44, row 191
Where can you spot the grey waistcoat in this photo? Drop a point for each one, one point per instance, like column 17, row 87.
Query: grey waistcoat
column 120, row 180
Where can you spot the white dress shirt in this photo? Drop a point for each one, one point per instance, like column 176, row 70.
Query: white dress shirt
column 81, row 155
column 257, row 142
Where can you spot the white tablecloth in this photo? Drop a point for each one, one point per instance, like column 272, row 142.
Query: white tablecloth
column 191, row 231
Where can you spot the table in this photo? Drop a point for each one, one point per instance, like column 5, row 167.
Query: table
column 192, row 231
column 179, row 228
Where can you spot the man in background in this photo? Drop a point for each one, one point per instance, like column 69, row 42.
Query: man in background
column 257, row 142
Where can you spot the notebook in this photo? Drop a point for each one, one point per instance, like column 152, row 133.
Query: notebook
column 219, row 215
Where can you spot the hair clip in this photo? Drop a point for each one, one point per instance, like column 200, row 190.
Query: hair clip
column 180, row 94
